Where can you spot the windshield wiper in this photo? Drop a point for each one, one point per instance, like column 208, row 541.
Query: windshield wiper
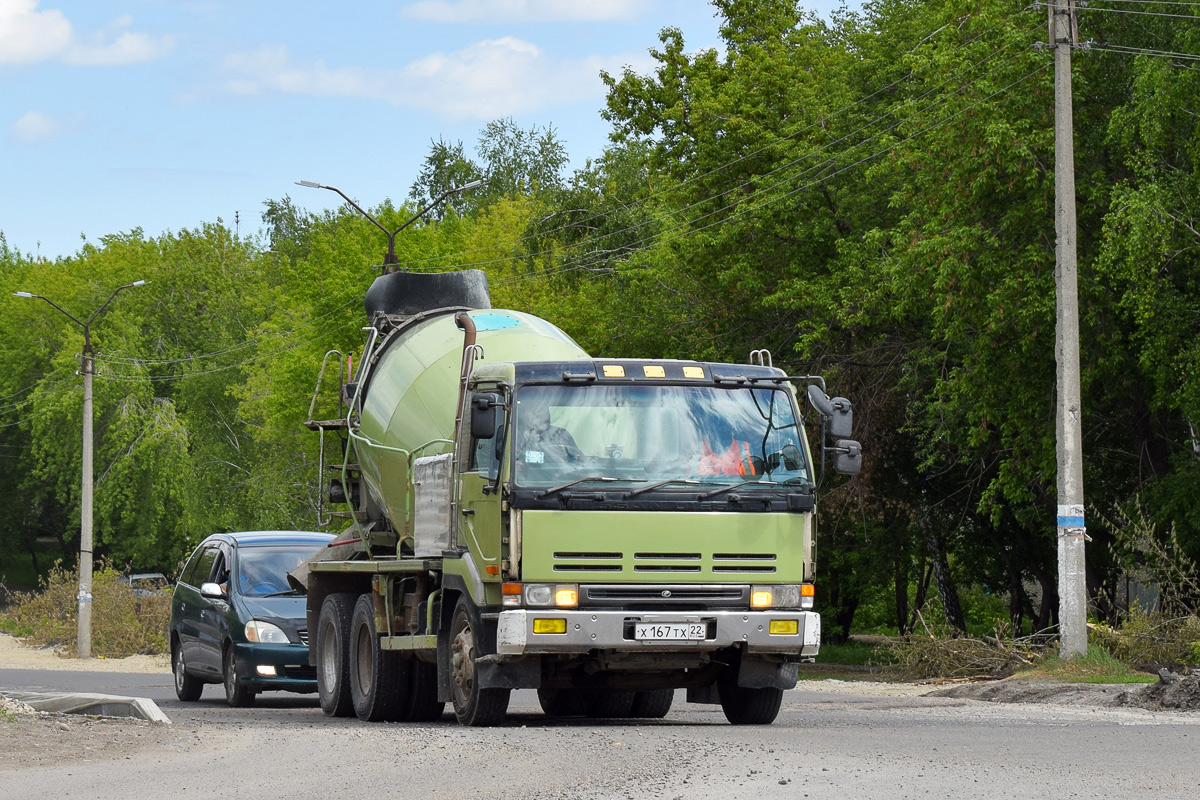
column 281, row 594
column 653, row 486
column 733, row 486
column 597, row 478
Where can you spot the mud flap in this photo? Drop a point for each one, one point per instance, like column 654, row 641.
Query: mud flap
column 524, row 674
column 757, row 673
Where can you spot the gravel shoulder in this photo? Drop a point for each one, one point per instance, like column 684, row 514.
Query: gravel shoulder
column 15, row 655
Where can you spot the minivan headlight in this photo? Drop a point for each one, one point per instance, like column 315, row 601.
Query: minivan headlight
column 265, row 633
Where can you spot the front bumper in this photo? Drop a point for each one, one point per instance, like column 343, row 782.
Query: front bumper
column 290, row 662
column 613, row 630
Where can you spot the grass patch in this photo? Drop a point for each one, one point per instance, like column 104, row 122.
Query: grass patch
column 123, row 623
column 1098, row 666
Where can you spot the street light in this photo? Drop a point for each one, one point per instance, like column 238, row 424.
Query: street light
column 389, row 260
column 84, row 648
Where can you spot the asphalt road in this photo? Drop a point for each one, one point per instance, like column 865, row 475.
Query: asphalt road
column 827, row 743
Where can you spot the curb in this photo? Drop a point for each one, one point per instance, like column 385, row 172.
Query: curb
column 102, row 705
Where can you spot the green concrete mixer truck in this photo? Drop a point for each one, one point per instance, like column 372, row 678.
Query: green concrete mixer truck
column 523, row 515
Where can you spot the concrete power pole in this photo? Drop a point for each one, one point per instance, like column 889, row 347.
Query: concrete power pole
column 1072, row 533
column 84, row 647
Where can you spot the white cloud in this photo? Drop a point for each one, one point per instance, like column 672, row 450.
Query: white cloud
column 468, row 11
column 486, row 80
column 116, row 45
column 34, row 127
column 29, row 36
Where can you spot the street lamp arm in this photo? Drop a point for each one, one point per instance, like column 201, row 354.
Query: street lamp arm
column 100, row 310
column 69, row 315
column 390, row 258
column 354, row 205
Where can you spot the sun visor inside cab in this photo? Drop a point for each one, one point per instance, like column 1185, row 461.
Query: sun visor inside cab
column 407, row 293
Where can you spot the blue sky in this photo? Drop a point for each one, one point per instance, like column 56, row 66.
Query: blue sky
column 165, row 114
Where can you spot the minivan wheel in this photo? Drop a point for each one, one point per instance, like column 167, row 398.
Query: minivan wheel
column 237, row 694
column 187, row 688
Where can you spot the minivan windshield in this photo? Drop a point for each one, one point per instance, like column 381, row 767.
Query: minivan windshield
column 263, row 569
column 674, row 436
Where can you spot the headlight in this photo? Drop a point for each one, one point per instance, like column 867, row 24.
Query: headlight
column 563, row 595
column 265, row 633
column 781, row 596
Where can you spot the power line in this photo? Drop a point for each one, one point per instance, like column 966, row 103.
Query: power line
column 769, row 200
column 782, row 167
column 644, row 200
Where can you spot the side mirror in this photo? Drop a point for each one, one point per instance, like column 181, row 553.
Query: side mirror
column 212, row 590
column 848, row 458
column 483, row 414
column 842, row 419
column 820, row 400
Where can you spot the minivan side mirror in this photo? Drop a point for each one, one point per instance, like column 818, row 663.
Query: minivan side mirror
column 209, row 589
column 483, row 414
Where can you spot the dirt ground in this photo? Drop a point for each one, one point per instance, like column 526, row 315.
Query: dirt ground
column 15, row 655
column 30, row 738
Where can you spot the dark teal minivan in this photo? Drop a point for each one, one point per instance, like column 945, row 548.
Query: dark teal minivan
column 236, row 621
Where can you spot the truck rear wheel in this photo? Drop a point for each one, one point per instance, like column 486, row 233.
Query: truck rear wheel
column 378, row 678
column 749, row 706
column 607, row 703
column 422, row 704
column 473, row 706
column 333, row 654
column 561, row 702
column 652, row 704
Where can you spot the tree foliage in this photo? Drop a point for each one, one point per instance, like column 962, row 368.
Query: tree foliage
column 869, row 197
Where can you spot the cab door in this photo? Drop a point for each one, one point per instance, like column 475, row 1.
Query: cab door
column 480, row 524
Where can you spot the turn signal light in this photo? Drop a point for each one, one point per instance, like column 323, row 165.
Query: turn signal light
column 566, row 597
column 510, row 594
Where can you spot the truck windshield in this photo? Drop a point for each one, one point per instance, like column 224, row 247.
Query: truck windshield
column 673, row 436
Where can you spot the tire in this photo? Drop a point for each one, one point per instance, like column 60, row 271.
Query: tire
column 561, row 702
column 187, row 688
column 333, row 654
column 652, row 704
column 473, row 706
column 379, row 679
column 237, row 694
column 607, row 703
column 749, row 706
column 422, row 704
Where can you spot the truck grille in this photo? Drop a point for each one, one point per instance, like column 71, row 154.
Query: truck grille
column 675, row 597
column 666, row 563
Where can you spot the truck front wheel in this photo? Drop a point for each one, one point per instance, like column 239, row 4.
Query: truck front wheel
column 473, row 706
column 333, row 654
column 749, row 706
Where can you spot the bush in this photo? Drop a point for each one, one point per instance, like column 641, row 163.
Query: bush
column 123, row 624
column 1151, row 638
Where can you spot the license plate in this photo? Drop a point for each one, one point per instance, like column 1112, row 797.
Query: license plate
column 670, row 631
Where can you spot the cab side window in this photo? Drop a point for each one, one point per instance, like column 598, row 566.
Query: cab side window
column 484, row 458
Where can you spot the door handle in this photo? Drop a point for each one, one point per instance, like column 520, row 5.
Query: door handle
column 468, row 512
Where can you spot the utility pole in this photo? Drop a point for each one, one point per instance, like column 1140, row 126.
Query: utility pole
column 87, row 366
column 1072, row 533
